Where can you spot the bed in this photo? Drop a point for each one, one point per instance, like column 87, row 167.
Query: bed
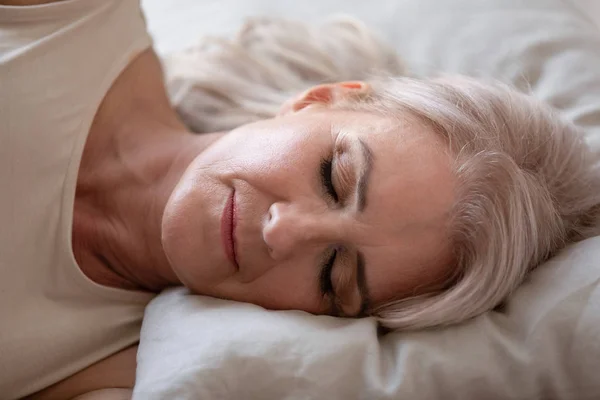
column 543, row 344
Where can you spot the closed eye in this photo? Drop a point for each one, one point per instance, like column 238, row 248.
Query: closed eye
column 325, row 276
column 327, row 180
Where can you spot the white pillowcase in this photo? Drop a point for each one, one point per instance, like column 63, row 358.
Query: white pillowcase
column 546, row 342
column 546, row 345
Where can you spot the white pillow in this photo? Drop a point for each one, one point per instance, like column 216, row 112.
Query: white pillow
column 545, row 344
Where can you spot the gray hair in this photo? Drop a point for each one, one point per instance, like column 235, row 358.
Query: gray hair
column 526, row 186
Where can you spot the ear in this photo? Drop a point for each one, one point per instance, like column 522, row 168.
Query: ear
column 325, row 94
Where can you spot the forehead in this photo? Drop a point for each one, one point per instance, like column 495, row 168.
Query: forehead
column 403, row 230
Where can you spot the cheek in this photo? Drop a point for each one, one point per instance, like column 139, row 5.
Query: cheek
column 261, row 153
column 285, row 287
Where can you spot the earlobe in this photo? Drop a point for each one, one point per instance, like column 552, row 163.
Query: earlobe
column 324, row 94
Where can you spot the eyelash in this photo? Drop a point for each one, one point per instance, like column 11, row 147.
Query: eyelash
column 326, row 172
column 327, row 268
column 326, row 282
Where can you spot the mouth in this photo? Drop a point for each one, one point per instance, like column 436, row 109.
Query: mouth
column 228, row 223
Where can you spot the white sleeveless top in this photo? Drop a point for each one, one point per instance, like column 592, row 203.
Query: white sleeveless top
column 57, row 62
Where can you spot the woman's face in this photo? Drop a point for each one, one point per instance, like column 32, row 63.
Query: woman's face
column 323, row 211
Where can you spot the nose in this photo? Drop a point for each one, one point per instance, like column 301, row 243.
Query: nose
column 290, row 228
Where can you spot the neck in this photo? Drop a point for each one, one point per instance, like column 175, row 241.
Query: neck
column 121, row 200
column 135, row 154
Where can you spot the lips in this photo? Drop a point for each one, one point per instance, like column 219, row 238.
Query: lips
column 228, row 222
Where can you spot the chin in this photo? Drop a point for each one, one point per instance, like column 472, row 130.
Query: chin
column 180, row 241
column 190, row 234
column 172, row 240
column 185, row 260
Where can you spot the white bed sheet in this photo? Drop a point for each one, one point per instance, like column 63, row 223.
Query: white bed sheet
column 544, row 345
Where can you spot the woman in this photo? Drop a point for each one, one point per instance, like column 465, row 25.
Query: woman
column 422, row 202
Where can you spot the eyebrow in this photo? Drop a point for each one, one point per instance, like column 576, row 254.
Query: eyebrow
column 361, row 281
column 362, row 185
column 364, row 175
